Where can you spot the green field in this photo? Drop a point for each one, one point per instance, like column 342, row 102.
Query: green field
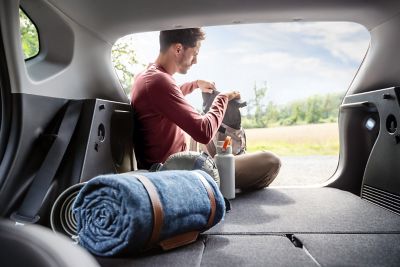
column 290, row 149
column 301, row 140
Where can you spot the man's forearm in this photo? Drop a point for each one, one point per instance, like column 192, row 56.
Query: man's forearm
column 187, row 88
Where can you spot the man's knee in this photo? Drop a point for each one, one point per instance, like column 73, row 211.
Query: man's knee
column 272, row 165
column 270, row 159
column 257, row 170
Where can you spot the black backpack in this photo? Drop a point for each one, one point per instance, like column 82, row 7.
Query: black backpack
column 231, row 125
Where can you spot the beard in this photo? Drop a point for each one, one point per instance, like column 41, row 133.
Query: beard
column 183, row 69
column 183, row 65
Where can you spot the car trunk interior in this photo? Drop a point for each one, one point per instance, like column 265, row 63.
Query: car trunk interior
column 332, row 224
column 352, row 219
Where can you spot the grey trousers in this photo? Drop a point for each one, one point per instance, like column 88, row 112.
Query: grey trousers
column 256, row 170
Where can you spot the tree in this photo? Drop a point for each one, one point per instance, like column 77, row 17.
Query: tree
column 29, row 36
column 296, row 113
column 313, row 113
column 124, row 58
column 314, row 109
column 257, row 104
column 271, row 114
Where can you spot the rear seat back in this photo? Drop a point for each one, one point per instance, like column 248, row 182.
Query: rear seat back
column 36, row 246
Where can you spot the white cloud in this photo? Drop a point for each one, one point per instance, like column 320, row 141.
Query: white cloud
column 286, row 63
column 237, row 50
column 279, row 60
column 344, row 50
column 344, row 40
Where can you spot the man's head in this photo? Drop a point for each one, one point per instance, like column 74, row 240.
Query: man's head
column 183, row 45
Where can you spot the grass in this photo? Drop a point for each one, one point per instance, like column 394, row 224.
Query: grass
column 304, row 140
column 283, row 148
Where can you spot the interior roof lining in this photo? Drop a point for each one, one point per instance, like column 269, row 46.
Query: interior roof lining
column 95, row 33
column 386, row 20
column 112, row 20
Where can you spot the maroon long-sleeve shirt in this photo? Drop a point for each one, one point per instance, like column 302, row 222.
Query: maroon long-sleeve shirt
column 162, row 114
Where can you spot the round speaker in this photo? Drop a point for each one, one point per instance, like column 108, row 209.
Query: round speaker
column 62, row 218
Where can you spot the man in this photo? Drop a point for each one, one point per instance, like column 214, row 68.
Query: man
column 163, row 115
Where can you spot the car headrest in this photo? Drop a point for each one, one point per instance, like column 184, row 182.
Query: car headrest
column 36, row 246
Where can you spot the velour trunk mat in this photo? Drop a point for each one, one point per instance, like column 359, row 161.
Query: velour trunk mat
column 289, row 227
column 305, row 210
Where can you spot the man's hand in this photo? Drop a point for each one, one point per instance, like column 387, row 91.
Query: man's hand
column 232, row 95
column 205, row 86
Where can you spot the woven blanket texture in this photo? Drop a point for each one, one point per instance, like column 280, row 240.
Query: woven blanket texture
column 114, row 214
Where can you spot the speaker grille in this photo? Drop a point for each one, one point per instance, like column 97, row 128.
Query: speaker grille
column 382, row 198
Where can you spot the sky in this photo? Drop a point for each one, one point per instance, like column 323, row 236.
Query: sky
column 294, row 60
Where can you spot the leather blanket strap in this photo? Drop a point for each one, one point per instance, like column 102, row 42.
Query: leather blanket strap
column 158, row 215
column 190, row 237
column 211, row 196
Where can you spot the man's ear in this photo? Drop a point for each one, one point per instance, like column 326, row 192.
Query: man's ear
column 178, row 48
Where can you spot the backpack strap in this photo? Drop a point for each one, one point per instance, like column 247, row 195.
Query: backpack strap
column 199, row 162
column 193, row 145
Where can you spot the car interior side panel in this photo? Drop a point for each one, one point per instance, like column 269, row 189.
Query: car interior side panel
column 351, row 219
column 95, row 147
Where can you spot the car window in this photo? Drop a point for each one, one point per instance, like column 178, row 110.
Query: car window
column 293, row 77
column 126, row 62
column 29, row 36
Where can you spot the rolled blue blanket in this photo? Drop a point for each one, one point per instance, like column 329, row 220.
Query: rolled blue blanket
column 114, row 213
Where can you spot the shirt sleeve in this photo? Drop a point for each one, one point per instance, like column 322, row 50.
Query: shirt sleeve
column 188, row 88
column 169, row 101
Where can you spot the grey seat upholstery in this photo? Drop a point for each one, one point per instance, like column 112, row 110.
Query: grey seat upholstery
column 289, row 227
column 37, row 246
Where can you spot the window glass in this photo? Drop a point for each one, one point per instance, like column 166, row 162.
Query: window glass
column 125, row 61
column 29, row 36
column 293, row 77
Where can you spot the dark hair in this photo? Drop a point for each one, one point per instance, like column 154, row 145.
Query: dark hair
column 186, row 37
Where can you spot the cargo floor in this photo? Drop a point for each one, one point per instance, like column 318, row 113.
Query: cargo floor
column 290, row 227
